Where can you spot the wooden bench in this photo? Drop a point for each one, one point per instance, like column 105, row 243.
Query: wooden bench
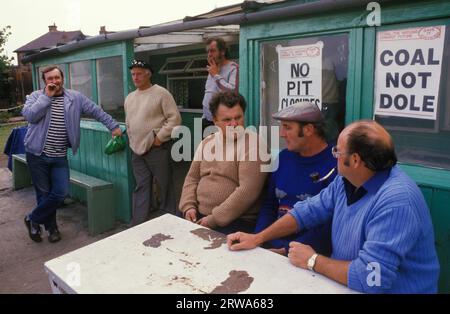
column 100, row 194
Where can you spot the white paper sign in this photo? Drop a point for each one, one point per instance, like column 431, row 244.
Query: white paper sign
column 408, row 72
column 300, row 74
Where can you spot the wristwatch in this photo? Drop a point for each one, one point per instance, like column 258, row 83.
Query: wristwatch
column 312, row 262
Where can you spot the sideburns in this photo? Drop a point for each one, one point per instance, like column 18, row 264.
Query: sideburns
column 347, row 161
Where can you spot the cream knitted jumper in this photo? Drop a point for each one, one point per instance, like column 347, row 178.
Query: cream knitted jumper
column 150, row 112
column 223, row 190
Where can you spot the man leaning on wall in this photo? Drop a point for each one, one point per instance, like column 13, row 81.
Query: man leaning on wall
column 53, row 116
column 151, row 114
column 223, row 75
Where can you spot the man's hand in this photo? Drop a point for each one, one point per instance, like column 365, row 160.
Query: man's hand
column 157, row 142
column 203, row 222
column 299, row 254
column 50, row 90
column 212, row 67
column 116, row 132
column 242, row 241
column 191, row 215
column 281, row 251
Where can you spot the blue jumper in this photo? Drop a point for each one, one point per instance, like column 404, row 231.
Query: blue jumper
column 291, row 183
column 387, row 233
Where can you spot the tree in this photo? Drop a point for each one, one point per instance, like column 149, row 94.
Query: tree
column 5, row 62
column 5, row 65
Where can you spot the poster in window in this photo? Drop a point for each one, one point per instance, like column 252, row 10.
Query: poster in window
column 300, row 74
column 408, row 71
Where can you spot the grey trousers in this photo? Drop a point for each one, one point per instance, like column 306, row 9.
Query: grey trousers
column 155, row 164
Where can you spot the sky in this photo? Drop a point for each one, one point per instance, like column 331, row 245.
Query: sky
column 30, row 19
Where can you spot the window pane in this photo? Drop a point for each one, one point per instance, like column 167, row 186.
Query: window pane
column 422, row 141
column 110, row 86
column 80, row 77
column 174, row 66
column 334, row 79
column 188, row 92
column 198, row 64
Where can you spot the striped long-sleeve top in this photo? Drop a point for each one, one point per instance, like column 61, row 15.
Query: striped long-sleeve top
column 386, row 232
column 56, row 142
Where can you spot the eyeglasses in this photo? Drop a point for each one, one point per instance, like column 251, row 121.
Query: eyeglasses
column 336, row 153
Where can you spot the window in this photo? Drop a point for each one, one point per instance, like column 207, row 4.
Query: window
column 187, row 91
column 186, row 78
column 81, row 78
column 110, row 86
column 424, row 141
column 321, row 58
column 174, row 66
column 197, row 64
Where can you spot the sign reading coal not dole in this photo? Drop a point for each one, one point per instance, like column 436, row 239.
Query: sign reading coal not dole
column 408, row 71
column 300, row 74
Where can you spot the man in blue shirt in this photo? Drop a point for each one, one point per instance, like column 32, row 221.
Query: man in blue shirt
column 306, row 166
column 382, row 235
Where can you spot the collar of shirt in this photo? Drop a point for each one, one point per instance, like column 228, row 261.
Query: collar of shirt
column 372, row 185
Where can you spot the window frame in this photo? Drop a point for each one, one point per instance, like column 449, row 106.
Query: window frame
column 438, row 123
column 412, row 168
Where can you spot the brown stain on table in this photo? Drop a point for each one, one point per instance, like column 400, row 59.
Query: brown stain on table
column 238, row 281
column 156, row 239
column 216, row 238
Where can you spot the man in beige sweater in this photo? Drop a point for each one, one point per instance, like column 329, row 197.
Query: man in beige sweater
column 223, row 186
column 151, row 114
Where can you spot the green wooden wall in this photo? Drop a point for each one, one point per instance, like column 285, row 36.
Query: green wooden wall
column 188, row 120
column 114, row 168
column 434, row 183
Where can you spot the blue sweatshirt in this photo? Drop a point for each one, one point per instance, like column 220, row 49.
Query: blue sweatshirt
column 291, row 183
column 387, row 234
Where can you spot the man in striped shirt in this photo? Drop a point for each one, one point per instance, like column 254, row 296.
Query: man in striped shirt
column 53, row 116
column 382, row 235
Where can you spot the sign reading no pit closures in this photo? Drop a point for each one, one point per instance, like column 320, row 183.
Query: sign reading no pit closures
column 300, row 74
column 408, row 72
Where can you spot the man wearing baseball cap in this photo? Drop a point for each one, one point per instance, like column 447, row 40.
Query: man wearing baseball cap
column 151, row 114
column 306, row 166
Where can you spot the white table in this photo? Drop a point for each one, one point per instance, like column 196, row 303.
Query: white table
column 163, row 255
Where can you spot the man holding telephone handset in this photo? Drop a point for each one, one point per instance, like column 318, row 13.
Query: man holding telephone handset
column 53, row 116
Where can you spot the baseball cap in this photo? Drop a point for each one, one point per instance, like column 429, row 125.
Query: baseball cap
column 140, row 64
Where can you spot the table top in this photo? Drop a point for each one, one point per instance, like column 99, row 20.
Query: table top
column 172, row 255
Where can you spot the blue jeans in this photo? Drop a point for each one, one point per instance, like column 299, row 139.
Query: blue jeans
column 50, row 177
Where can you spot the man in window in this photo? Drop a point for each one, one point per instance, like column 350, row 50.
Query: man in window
column 223, row 186
column 53, row 116
column 305, row 168
column 223, row 75
column 382, row 234
column 151, row 114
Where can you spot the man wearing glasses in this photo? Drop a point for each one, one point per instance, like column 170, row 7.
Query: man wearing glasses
column 382, row 234
column 306, row 166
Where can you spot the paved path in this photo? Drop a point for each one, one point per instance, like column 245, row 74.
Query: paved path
column 21, row 259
